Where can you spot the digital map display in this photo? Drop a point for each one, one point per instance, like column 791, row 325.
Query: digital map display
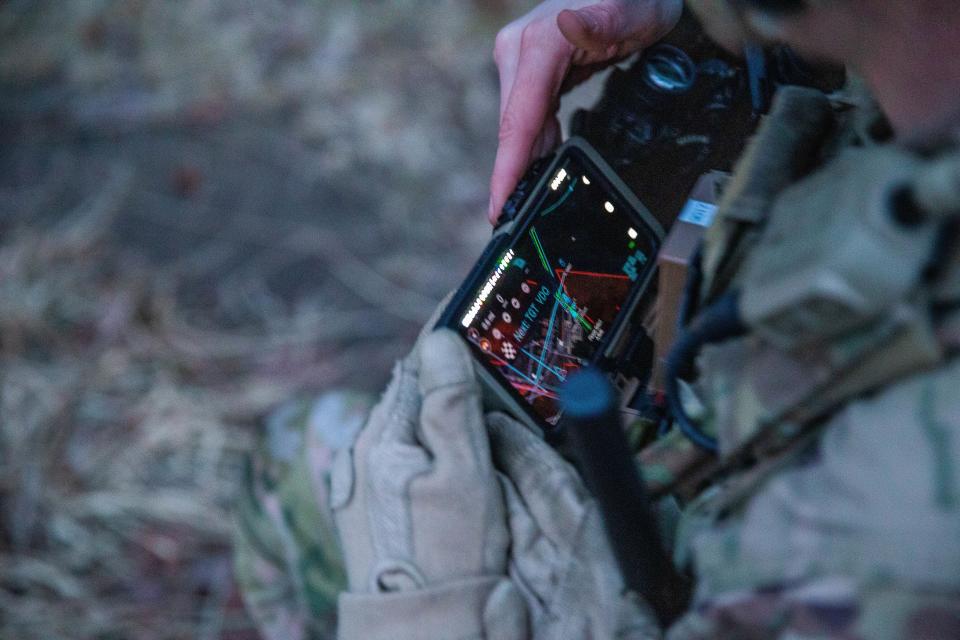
column 548, row 302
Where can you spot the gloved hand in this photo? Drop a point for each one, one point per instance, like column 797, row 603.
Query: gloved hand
column 420, row 513
column 559, row 557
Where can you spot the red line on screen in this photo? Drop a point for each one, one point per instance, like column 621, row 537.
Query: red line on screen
column 593, row 274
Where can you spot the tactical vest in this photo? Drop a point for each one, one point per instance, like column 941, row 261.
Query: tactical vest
column 843, row 255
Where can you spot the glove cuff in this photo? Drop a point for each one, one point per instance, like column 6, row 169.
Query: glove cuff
column 452, row 610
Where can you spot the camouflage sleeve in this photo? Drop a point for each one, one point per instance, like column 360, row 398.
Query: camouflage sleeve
column 287, row 558
column 827, row 608
column 859, row 538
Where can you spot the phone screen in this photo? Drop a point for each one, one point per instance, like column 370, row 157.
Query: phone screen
column 549, row 302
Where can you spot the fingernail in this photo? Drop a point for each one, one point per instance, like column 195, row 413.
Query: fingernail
column 491, row 216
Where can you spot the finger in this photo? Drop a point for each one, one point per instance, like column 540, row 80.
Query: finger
column 603, row 28
column 533, row 558
column 581, row 29
column 451, row 418
column 540, row 71
column 507, row 74
column 398, row 415
column 548, row 139
column 506, row 53
column 394, row 418
column 523, row 530
column 547, row 484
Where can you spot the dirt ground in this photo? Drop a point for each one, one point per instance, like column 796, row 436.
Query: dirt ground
column 207, row 207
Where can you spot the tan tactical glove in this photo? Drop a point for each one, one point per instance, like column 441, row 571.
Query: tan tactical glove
column 559, row 557
column 420, row 513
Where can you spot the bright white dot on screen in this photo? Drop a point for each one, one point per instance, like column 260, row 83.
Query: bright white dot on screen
column 586, row 180
column 608, row 206
column 632, row 233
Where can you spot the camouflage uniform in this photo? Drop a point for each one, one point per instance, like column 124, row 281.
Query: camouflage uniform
column 286, row 554
column 833, row 510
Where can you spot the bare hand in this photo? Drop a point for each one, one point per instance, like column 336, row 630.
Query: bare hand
column 557, row 45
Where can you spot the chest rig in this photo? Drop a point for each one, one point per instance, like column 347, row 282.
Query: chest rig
column 830, row 271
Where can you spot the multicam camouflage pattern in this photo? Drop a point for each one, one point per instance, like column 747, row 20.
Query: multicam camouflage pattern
column 834, row 508
column 765, row 392
column 851, row 504
column 287, row 556
column 832, row 608
column 845, row 524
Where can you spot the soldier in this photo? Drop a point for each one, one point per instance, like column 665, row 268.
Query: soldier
column 829, row 505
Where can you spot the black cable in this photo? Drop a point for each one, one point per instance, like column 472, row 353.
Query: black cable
column 691, row 289
column 720, row 321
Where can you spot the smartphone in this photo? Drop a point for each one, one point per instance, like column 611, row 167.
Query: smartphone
column 556, row 288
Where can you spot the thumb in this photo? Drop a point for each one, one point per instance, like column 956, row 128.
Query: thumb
column 451, row 417
column 614, row 22
column 548, row 486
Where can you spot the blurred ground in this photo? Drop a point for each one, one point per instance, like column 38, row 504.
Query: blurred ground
column 206, row 207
